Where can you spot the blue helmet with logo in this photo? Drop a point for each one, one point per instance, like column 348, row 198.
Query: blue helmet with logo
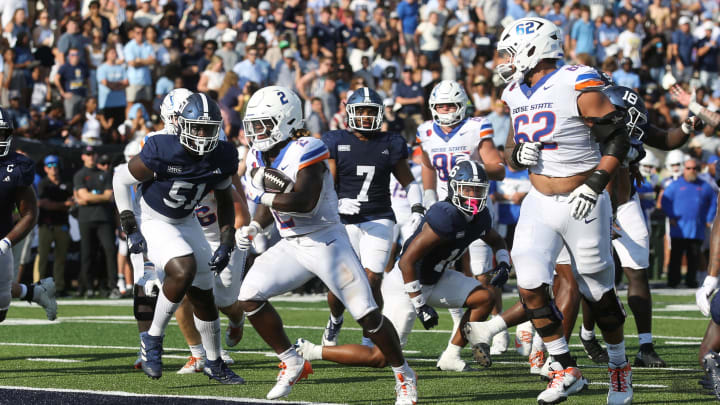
column 365, row 110
column 626, row 99
column 199, row 124
column 468, row 186
column 6, row 132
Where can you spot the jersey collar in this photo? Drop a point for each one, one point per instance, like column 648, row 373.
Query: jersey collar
column 529, row 91
column 281, row 155
column 446, row 137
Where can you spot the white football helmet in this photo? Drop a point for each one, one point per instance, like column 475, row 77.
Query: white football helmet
column 649, row 162
column 170, row 105
column 526, row 42
column 448, row 92
column 675, row 158
column 273, row 114
column 131, row 149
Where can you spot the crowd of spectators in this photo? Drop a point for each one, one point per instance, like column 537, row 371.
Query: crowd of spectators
column 77, row 73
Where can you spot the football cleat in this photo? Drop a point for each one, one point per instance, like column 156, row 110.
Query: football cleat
column 545, row 369
column 595, row 351
column 537, row 360
column 193, row 365
column 450, row 362
column 647, row 357
column 308, row 350
column 44, row 295
column 219, row 371
column 151, row 353
column 225, row 356
column 138, row 362
column 711, row 364
column 287, row 377
column 330, row 336
column 478, row 335
column 500, row 343
column 563, row 382
column 523, row 338
column 233, row 335
column 406, row 389
column 621, row 390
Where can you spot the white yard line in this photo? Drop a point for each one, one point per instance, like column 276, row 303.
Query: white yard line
column 51, row 360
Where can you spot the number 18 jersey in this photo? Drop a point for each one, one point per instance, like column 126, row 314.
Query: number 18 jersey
column 548, row 113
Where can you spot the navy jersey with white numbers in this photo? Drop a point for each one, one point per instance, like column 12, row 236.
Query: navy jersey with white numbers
column 449, row 223
column 182, row 180
column 363, row 171
column 16, row 171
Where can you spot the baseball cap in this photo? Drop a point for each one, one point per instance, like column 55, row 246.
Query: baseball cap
column 288, row 53
column 88, row 150
column 708, row 25
column 223, row 18
column 265, row 5
column 683, row 20
column 394, row 14
column 104, row 159
column 51, row 159
column 145, row 1
column 283, row 44
column 229, row 35
column 407, row 68
column 168, row 34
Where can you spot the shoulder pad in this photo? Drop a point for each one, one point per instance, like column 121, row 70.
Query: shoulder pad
column 445, row 219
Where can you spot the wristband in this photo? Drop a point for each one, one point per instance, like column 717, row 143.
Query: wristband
column 598, row 180
column 267, row 199
column 418, row 301
column 695, row 108
column 413, row 286
column 418, row 209
column 710, row 282
column 256, row 225
column 501, row 256
column 6, row 240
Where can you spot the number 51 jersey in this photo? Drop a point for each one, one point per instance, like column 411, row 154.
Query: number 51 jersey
column 548, row 113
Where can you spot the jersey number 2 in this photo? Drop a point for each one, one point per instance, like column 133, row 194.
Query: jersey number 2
column 547, row 116
column 177, row 200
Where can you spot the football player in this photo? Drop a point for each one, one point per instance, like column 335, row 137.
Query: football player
column 423, row 277
column 17, row 173
column 175, row 173
column 449, row 137
column 314, row 241
column 362, row 160
column 560, row 118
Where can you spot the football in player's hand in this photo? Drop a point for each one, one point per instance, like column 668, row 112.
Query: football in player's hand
column 274, row 180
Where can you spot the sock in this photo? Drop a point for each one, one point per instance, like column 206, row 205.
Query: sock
column 197, row 351
column 121, row 283
column 404, row 370
column 587, row 334
column 290, row 357
column 645, row 338
column 210, row 335
column 164, row 310
column 560, row 351
column 23, row 291
column 456, row 314
column 496, row 325
column 337, row 320
column 616, row 353
column 537, row 343
column 453, row 349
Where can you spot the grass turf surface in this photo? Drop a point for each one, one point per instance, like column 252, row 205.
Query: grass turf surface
column 93, row 346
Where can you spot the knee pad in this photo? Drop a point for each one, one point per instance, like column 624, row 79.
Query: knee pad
column 609, row 312
column 550, row 312
column 143, row 306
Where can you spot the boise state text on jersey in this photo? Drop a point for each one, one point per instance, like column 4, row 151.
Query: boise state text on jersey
column 451, row 224
column 363, row 171
column 182, row 180
column 16, row 171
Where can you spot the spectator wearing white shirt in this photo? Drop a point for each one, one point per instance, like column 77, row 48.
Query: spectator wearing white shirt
column 429, row 35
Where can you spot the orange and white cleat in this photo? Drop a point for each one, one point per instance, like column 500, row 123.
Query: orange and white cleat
column 537, row 360
column 563, row 382
column 406, row 389
column 621, row 389
column 193, row 365
column 287, row 377
column 523, row 338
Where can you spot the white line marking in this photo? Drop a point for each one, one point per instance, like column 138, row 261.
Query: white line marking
column 51, row 360
column 634, row 385
column 132, row 394
column 681, row 343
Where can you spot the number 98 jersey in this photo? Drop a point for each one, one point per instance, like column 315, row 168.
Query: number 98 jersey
column 182, row 180
column 445, row 149
column 548, row 113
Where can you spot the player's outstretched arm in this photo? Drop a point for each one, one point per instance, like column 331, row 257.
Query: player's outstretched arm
column 672, row 139
column 305, row 194
column 491, row 159
column 26, row 202
column 502, row 257
column 688, row 100
column 429, row 181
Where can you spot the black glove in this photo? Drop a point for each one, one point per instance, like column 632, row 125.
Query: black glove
column 427, row 314
column 220, row 258
column 135, row 240
column 501, row 271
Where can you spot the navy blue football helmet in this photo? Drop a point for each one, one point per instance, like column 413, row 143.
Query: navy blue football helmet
column 199, row 124
column 6, row 132
column 626, row 99
column 366, row 99
column 468, row 186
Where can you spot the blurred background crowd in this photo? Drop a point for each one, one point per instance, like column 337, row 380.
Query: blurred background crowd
column 82, row 79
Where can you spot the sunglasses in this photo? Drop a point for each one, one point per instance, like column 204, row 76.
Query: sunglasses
column 50, row 165
column 694, row 168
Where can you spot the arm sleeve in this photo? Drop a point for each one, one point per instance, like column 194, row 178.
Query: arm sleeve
column 122, row 182
column 414, row 193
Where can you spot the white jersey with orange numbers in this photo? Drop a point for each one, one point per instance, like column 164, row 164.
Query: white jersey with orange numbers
column 548, row 113
column 445, row 149
column 295, row 156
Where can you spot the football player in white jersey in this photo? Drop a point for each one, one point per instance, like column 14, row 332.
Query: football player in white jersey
column 560, row 117
column 445, row 140
column 314, row 242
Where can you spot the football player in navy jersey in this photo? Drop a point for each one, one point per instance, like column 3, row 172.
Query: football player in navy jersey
column 362, row 159
column 175, row 173
column 17, row 173
column 423, row 278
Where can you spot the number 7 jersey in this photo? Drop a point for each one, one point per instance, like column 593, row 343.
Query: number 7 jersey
column 548, row 113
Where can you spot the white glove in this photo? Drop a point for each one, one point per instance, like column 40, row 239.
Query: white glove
column 703, row 294
column 348, row 206
column 244, row 238
column 415, row 221
column 429, row 198
column 225, row 277
column 5, row 245
column 582, row 200
column 528, row 153
column 257, row 178
column 151, row 283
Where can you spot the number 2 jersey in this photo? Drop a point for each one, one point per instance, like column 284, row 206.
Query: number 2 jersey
column 363, row 170
column 181, row 179
column 444, row 149
column 457, row 232
column 295, row 156
column 548, row 113
column 16, row 171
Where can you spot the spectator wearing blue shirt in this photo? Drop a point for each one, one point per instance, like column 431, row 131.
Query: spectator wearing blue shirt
column 325, row 32
column 72, row 82
column 689, row 204
column 250, row 69
column 139, row 55
column 626, row 77
column 607, row 35
column 408, row 12
column 509, row 195
column 556, row 15
column 707, row 57
column 409, row 94
column 112, row 81
column 583, row 34
column 680, row 51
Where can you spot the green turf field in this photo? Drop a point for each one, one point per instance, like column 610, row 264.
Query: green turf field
column 92, row 346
